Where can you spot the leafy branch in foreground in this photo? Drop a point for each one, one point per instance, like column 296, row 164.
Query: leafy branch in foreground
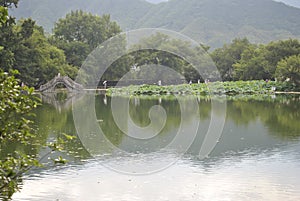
column 16, row 105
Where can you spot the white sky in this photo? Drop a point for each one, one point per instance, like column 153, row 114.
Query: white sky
column 295, row 3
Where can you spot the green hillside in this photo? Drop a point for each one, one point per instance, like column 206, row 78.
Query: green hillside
column 217, row 21
column 213, row 22
column 47, row 12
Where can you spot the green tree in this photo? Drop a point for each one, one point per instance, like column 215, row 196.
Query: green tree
column 16, row 104
column 75, row 51
column 150, row 53
column 19, row 144
column 228, row 55
column 8, row 42
column 251, row 66
column 36, row 59
column 9, row 3
column 3, row 19
column 6, row 33
column 26, row 49
column 289, row 68
column 80, row 32
column 278, row 50
column 3, row 15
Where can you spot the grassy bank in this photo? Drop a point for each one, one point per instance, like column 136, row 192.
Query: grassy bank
column 228, row 88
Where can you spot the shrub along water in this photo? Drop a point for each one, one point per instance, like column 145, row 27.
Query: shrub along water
column 228, row 88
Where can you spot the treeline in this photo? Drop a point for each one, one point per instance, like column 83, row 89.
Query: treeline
column 241, row 60
column 24, row 46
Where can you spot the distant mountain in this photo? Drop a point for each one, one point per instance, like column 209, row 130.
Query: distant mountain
column 47, row 12
column 213, row 22
column 217, row 21
column 295, row 3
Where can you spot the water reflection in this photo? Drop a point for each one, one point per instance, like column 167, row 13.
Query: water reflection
column 252, row 178
column 54, row 118
column 61, row 100
column 260, row 141
column 249, row 123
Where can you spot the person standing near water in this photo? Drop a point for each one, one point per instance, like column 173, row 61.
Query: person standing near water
column 105, row 84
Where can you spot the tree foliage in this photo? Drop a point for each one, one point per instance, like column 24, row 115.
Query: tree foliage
column 23, row 46
column 251, row 66
column 278, row 50
column 227, row 56
column 255, row 62
column 162, row 50
column 86, row 28
column 19, row 142
column 16, row 104
column 289, row 68
column 37, row 60
column 3, row 15
column 80, row 32
column 9, row 3
column 148, row 58
column 26, row 49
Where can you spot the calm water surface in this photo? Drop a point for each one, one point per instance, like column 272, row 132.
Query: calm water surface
column 257, row 157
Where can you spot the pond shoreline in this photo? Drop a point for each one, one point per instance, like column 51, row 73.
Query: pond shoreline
column 287, row 92
column 216, row 88
column 211, row 88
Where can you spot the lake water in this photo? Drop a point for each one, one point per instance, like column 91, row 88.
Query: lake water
column 256, row 156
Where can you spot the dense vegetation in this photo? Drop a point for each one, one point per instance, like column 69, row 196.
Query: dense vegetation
column 25, row 47
column 242, row 60
column 19, row 143
column 15, row 106
column 19, row 146
column 206, row 21
column 220, row 88
column 79, row 33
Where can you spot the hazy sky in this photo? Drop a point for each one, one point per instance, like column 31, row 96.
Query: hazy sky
column 295, row 3
column 156, row 1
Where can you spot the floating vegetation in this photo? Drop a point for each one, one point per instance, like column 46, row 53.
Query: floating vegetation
column 212, row 88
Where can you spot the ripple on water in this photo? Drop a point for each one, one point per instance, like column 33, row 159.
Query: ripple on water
column 250, row 176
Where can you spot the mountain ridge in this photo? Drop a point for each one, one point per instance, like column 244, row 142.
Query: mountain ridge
column 212, row 22
column 295, row 3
